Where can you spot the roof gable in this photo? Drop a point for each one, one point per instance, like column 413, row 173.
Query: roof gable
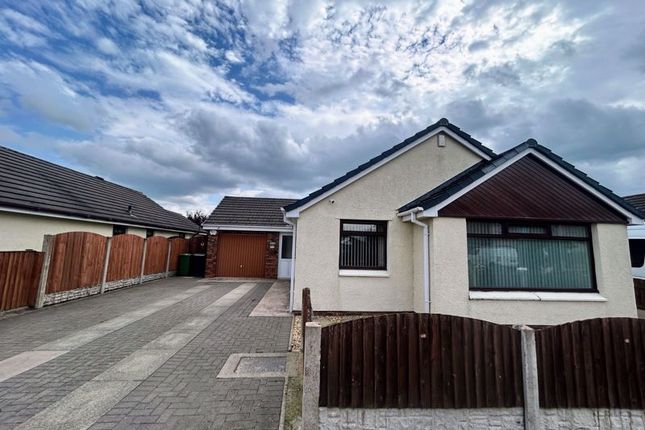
column 443, row 125
column 248, row 212
column 34, row 185
column 435, row 200
column 528, row 189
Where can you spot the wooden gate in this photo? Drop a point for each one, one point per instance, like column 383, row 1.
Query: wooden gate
column 241, row 255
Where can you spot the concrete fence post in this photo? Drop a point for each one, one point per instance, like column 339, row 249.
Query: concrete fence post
column 168, row 257
column 311, row 378
column 106, row 263
column 532, row 419
column 48, row 247
column 143, row 259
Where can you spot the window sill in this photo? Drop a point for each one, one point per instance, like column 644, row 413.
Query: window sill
column 546, row 296
column 364, row 273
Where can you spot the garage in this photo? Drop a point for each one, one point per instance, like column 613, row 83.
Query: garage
column 241, row 255
column 248, row 238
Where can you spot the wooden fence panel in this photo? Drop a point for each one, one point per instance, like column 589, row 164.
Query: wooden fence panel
column 179, row 245
column 418, row 360
column 77, row 261
column 156, row 255
column 598, row 363
column 19, row 277
column 125, row 257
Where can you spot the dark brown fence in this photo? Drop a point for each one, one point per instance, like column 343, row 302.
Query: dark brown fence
column 639, row 291
column 125, row 257
column 19, row 277
column 598, row 363
column 156, row 255
column 419, row 360
column 77, row 261
column 178, row 246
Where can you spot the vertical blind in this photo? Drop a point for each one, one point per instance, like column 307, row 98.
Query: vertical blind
column 533, row 257
column 363, row 245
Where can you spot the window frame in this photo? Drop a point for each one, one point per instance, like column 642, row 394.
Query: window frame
column 548, row 235
column 343, row 234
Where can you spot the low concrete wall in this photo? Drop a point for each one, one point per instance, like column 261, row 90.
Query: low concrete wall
column 372, row 419
column 485, row 418
column 592, row 419
column 64, row 296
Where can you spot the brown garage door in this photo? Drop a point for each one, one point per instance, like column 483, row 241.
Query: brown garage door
column 241, row 255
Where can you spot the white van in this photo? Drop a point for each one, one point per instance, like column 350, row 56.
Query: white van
column 636, row 235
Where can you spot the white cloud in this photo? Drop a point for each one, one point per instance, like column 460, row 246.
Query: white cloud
column 107, row 46
column 43, row 91
column 183, row 105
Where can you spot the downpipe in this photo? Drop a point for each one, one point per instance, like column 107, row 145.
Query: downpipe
column 426, row 262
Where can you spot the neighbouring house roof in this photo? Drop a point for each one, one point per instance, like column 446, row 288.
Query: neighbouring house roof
column 34, row 185
column 248, row 212
column 470, row 176
column 442, row 124
column 636, row 200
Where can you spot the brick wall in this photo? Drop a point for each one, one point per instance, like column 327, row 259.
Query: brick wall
column 270, row 262
column 271, row 259
column 211, row 256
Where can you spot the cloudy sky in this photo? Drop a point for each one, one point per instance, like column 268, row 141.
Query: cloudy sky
column 189, row 100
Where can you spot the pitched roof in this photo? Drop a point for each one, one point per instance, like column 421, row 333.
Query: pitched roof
column 30, row 183
column 470, row 175
column 636, row 200
column 249, row 211
column 443, row 122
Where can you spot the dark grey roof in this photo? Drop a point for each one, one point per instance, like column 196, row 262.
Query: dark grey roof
column 470, row 175
column 33, row 184
column 443, row 122
column 636, row 200
column 249, row 211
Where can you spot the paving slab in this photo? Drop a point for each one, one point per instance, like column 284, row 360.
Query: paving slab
column 154, row 365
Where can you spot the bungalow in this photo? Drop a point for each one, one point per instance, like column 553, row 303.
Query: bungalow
column 38, row 198
column 440, row 223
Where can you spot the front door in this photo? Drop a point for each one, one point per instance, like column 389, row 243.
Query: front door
column 284, row 260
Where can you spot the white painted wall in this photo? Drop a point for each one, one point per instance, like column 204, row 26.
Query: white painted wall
column 376, row 196
column 21, row 231
column 449, row 280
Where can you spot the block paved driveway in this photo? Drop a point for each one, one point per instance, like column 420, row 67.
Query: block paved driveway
column 143, row 357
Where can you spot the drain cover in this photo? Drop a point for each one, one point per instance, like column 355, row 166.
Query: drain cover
column 269, row 365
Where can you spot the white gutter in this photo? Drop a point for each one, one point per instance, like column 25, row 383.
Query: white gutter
column 426, row 262
column 292, row 281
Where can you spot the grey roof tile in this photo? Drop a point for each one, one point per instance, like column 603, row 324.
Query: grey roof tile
column 37, row 185
column 636, row 200
column 249, row 211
